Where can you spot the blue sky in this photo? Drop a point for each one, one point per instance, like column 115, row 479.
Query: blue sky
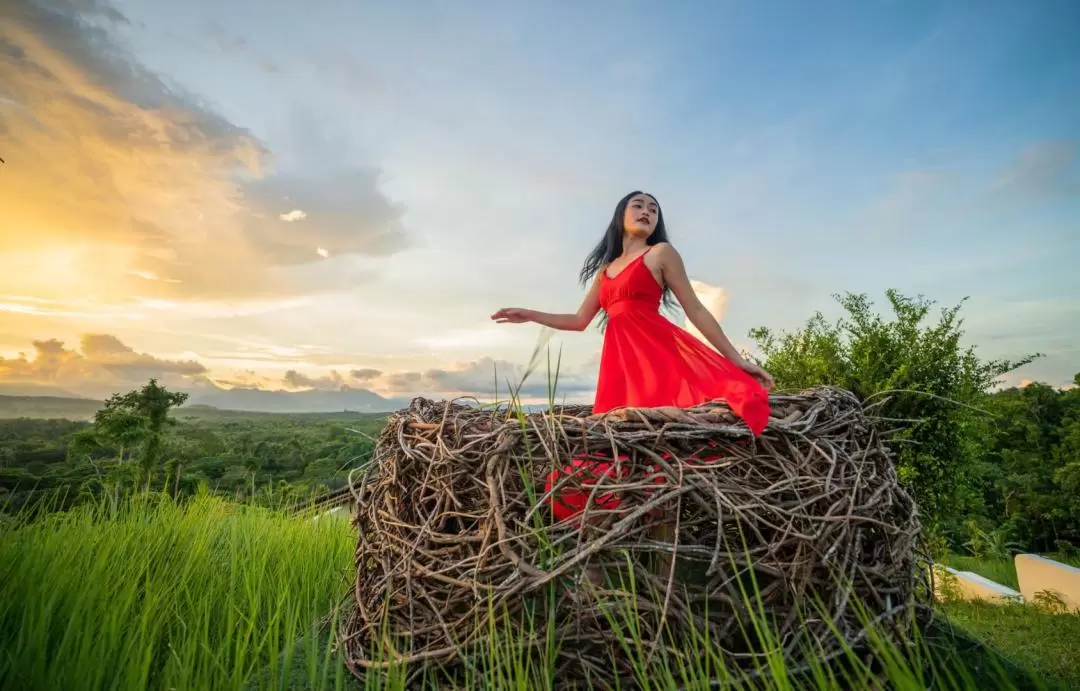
column 798, row 149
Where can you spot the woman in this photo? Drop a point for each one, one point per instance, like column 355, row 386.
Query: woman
column 647, row 361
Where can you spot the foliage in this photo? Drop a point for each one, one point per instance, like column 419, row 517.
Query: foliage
column 994, row 544
column 1028, row 465
column 67, row 463
column 919, row 373
column 159, row 595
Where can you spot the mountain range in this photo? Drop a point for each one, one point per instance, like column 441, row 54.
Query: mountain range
column 248, row 400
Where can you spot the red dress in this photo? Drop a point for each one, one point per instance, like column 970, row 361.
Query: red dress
column 647, row 362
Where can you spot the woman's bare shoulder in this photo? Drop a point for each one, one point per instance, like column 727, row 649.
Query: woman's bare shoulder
column 665, row 249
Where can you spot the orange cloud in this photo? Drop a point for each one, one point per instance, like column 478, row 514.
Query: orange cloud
column 118, row 184
column 102, row 364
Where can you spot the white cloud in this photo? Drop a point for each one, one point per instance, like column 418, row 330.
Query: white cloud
column 294, row 215
column 715, row 299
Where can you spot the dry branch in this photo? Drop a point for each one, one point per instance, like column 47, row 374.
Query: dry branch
column 453, row 526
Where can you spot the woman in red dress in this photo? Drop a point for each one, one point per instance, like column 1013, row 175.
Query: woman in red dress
column 647, row 361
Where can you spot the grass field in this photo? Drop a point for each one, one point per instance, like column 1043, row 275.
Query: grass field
column 213, row 595
column 1045, row 643
column 166, row 597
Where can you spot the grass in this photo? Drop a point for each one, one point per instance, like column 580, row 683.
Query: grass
column 1044, row 643
column 213, row 595
column 161, row 596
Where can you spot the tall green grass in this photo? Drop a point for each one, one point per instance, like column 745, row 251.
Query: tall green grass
column 214, row 595
column 163, row 596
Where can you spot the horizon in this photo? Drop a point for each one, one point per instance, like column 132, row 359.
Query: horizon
column 330, row 195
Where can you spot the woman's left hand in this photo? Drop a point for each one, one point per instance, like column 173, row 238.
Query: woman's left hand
column 513, row 315
column 763, row 377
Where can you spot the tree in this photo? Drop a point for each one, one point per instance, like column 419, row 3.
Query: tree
column 918, row 371
column 1029, row 467
column 140, row 417
column 252, row 464
column 117, row 426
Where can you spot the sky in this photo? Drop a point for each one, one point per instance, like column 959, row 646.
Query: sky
column 334, row 193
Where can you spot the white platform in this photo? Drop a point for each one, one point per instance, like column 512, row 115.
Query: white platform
column 1038, row 574
column 972, row 586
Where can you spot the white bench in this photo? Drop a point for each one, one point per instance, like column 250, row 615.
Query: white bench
column 1038, row 574
column 971, row 586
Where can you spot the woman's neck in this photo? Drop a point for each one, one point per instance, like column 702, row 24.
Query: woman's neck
column 633, row 244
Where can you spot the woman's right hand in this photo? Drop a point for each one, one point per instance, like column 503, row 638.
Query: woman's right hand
column 513, row 315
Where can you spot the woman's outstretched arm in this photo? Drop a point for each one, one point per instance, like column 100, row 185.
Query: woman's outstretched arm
column 674, row 273
column 578, row 321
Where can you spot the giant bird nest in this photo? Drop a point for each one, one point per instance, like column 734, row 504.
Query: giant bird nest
column 807, row 525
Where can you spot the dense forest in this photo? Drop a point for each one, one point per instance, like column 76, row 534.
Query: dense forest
column 994, row 470
column 268, row 458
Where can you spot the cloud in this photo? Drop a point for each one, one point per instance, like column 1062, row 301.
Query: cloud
column 230, row 44
column 715, row 299
column 481, row 337
column 341, row 206
column 936, row 203
column 247, row 379
column 82, row 310
column 329, row 382
column 101, row 365
column 365, row 374
column 1044, row 170
column 480, row 378
column 111, row 353
column 120, row 175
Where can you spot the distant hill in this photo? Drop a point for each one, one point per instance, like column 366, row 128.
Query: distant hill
column 343, row 404
column 20, row 389
column 48, row 407
column 209, row 414
column 72, row 408
column 258, row 400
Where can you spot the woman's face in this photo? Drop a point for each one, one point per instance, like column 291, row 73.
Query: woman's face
column 641, row 215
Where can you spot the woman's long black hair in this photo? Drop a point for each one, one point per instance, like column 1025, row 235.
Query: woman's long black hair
column 610, row 247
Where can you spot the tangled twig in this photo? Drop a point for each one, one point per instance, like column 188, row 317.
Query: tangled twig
column 806, row 527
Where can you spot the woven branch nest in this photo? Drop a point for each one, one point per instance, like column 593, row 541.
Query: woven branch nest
column 452, row 510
